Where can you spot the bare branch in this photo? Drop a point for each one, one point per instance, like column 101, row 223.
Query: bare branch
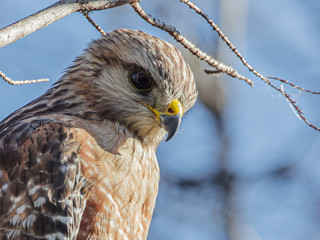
column 86, row 15
column 295, row 106
column 15, row 82
column 51, row 14
column 188, row 45
column 293, row 85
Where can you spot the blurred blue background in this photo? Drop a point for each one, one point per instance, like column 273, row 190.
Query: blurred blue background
column 243, row 165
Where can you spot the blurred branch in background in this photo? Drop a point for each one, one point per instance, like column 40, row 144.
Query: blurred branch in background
column 213, row 96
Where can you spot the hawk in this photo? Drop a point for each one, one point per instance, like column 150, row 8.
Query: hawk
column 79, row 162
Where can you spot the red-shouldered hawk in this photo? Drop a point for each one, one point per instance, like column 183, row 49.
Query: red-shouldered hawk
column 79, row 162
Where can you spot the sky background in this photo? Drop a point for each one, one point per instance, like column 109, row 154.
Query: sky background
column 272, row 156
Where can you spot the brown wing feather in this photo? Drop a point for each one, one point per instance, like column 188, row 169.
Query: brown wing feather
column 40, row 181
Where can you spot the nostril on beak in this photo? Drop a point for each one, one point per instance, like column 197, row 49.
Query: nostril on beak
column 170, row 110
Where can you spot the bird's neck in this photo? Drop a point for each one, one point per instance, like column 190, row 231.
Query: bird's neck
column 120, row 190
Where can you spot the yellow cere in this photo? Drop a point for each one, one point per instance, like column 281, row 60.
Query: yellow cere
column 173, row 108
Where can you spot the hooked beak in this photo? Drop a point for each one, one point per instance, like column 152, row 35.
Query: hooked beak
column 171, row 118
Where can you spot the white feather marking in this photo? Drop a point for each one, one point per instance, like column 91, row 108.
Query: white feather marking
column 63, row 169
column 30, row 182
column 106, row 208
column 106, row 182
column 39, row 202
column 98, row 225
column 33, row 190
column 109, row 197
column 21, row 209
column 90, row 155
column 15, row 220
column 68, row 202
column 16, row 199
column 91, row 172
column 119, row 202
column 63, row 219
column 140, row 226
column 139, row 222
column 4, row 187
column 27, row 223
column 90, row 145
column 114, row 205
column 122, row 234
column 13, row 234
column 113, row 224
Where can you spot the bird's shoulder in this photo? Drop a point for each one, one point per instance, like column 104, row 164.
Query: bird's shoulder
column 40, row 180
column 33, row 137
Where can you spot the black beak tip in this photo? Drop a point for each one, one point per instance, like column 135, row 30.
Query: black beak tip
column 170, row 135
column 171, row 124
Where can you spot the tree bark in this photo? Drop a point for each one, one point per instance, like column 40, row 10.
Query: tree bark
column 51, row 14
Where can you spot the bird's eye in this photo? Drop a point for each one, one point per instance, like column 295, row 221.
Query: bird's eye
column 141, row 81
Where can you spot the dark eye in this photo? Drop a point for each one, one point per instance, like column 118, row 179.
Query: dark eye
column 141, row 81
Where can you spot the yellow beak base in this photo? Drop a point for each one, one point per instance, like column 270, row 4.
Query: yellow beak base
column 170, row 120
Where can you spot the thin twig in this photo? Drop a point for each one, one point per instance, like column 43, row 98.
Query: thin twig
column 15, row 82
column 188, row 45
column 295, row 106
column 86, row 15
column 293, row 85
column 225, row 39
column 212, row 71
column 291, row 106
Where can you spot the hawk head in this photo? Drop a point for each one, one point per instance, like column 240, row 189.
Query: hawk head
column 131, row 78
